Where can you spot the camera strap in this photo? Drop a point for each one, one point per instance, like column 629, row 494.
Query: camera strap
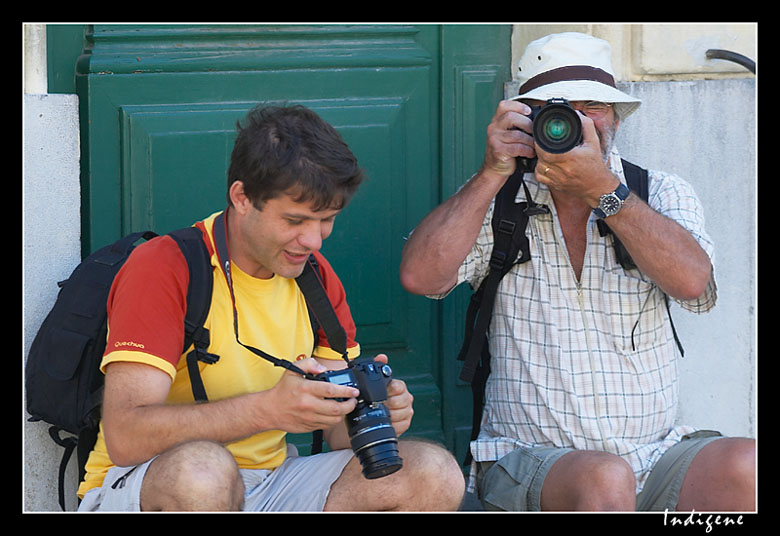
column 223, row 254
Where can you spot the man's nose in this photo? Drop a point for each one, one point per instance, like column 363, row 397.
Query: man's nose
column 311, row 237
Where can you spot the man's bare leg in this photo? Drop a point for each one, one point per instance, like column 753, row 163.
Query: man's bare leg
column 430, row 480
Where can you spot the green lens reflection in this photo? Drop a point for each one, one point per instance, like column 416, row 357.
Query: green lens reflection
column 557, row 129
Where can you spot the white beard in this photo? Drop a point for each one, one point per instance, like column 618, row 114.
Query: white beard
column 607, row 140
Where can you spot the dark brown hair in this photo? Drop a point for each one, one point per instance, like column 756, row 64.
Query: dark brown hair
column 291, row 149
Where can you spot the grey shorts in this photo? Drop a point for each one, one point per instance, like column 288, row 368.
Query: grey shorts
column 300, row 484
column 514, row 483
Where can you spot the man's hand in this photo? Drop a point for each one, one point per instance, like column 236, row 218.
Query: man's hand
column 399, row 402
column 581, row 172
column 508, row 136
column 299, row 405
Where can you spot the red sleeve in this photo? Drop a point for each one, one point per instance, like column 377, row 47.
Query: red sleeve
column 338, row 298
column 147, row 302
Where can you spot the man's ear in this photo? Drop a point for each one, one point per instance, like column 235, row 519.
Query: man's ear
column 238, row 197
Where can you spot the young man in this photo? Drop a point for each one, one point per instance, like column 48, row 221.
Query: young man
column 581, row 401
column 290, row 176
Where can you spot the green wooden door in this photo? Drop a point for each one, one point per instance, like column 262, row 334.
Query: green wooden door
column 159, row 108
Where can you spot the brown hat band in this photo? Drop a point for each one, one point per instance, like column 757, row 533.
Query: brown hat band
column 561, row 74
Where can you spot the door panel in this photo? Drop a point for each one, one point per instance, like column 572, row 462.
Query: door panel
column 475, row 66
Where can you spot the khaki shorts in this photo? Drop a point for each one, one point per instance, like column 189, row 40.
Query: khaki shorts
column 300, row 484
column 514, row 483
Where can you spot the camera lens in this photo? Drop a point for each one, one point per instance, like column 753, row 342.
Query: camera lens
column 557, row 128
column 373, row 440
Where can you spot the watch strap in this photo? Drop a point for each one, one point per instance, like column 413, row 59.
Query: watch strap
column 621, row 192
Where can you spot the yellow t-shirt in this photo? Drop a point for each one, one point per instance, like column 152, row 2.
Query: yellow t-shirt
column 147, row 302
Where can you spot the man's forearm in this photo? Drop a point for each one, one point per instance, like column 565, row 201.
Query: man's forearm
column 662, row 249
column 441, row 242
column 136, row 435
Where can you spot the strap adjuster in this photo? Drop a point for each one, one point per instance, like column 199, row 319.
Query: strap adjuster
column 497, row 260
column 506, row 226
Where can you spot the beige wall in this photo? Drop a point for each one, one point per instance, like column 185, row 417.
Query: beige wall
column 658, row 52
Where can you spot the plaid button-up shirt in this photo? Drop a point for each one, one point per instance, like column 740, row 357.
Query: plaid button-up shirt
column 588, row 364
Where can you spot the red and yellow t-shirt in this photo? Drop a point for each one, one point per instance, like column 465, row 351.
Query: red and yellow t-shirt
column 146, row 310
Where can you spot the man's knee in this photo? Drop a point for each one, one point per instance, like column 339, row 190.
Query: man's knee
column 192, row 476
column 430, row 466
column 741, row 459
column 430, row 480
column 722, row 476
column 609, row 470
column 430, row 456
column 592, row 481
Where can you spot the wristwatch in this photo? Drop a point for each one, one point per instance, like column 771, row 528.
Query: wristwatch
column 611, row 203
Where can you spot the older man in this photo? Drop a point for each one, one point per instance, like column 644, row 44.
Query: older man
column 581, row 400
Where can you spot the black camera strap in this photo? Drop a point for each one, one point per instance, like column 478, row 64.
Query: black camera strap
column 307, row 282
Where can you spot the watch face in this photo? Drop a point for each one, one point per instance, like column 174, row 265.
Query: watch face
column 610, row 204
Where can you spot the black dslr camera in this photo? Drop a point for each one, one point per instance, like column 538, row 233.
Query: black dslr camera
column 371, row 433
column 557, row 126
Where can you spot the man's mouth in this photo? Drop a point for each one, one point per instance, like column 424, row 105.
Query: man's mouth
column 296, row 258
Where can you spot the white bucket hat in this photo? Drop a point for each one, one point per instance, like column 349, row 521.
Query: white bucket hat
column 572, row 66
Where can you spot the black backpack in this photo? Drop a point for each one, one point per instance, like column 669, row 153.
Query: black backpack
column 511, row 247
column 63, row 382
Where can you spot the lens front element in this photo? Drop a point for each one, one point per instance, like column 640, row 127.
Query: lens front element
column 557, row 128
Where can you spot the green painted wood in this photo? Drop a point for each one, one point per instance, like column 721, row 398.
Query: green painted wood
column 159, row 105
column 475, row 66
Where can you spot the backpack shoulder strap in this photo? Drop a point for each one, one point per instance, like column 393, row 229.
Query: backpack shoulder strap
column 510, row 247
column 320, row 307
column 637, row 182
column 315, row 325
column 509, row 241
column 322, row 314
column 190, row 241
column 636, row 179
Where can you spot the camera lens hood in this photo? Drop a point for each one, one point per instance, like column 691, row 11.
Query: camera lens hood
column 557, row 128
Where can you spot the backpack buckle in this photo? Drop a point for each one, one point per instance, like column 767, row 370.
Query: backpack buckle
column 204, row 357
